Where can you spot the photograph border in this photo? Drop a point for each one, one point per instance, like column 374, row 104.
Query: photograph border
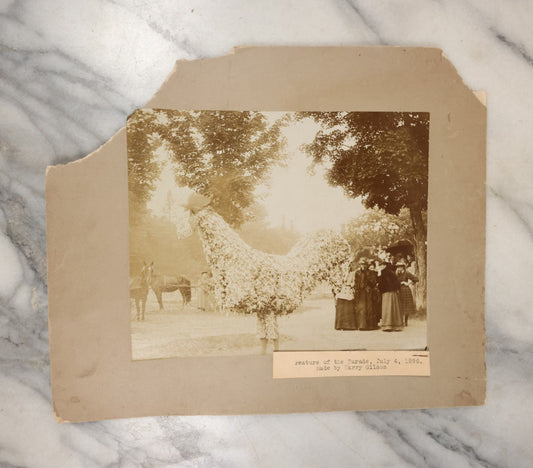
column 144, row 178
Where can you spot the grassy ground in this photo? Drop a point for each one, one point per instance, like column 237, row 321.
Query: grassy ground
column 178, row 331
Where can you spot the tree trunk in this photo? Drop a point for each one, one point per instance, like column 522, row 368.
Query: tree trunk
column 419, row 228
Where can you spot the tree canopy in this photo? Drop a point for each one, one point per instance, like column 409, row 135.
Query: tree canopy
column 380, row 156
column 143, row 169
column 377, row 229
column 220, row 154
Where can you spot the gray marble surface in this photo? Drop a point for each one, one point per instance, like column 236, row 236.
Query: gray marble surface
column 70, row 73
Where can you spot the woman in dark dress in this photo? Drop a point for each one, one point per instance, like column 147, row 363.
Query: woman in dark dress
column 407, row 304
column 376, row 293
column 391, row 315
column 345, row 305
column 365, row 281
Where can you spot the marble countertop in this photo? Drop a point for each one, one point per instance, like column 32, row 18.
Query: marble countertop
column 70, row 73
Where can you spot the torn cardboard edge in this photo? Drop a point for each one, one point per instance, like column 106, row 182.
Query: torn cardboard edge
column 480, row 94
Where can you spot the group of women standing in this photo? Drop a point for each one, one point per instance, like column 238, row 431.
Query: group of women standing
column 374, row 293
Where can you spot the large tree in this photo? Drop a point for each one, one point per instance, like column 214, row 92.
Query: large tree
column 143, row 168
column 220, row 154
column 381, row 157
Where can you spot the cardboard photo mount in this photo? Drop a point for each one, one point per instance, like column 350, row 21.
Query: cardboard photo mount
column 92, row 373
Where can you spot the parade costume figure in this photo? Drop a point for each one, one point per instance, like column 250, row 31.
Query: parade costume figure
column 345, row 318
column 407, row 304
column 365, row 310
column 391, row 314
column 249, row 281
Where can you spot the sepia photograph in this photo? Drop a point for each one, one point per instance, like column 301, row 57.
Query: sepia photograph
column 253, row 232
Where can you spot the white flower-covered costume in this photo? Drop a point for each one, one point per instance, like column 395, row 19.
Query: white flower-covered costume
column 248, row 281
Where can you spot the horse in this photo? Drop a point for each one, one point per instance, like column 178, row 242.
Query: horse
column 163, row 283
column 139, row 287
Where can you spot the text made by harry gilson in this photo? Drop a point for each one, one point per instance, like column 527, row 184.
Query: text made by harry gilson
column 356, row 364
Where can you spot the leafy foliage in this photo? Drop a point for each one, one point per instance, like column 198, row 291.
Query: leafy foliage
column 143, row 169
column 377, row 229
column 380, row 156
column 220, row 154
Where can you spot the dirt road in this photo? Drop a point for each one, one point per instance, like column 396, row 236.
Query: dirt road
column 188, row 331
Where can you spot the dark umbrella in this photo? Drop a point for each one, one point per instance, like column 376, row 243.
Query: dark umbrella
column 403, row 247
